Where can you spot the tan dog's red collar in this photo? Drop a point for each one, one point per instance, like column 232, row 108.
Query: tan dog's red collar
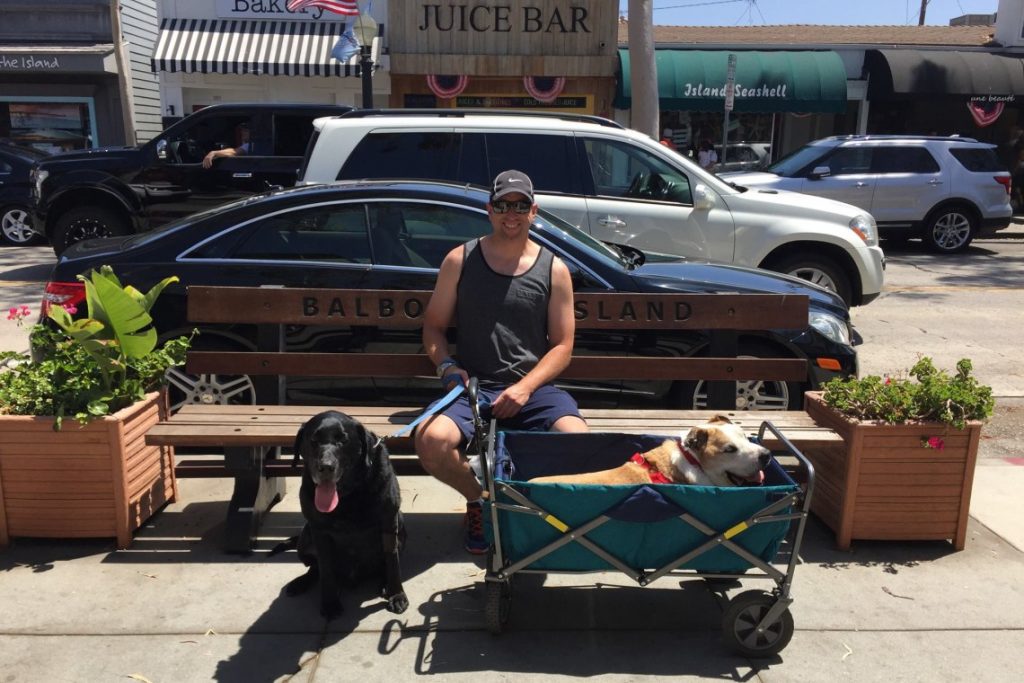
column 656, row 476
column 690, row 457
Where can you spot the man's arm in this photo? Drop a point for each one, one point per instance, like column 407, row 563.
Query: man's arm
column 441, row 307
column 561, row 334
column 218, row 153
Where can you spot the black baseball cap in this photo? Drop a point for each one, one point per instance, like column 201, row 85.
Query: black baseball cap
column 510, row 182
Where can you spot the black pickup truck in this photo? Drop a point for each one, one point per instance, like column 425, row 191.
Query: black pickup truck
column 122, row 190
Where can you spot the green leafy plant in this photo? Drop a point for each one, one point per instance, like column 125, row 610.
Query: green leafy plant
column 926, row 394
column 92, row 366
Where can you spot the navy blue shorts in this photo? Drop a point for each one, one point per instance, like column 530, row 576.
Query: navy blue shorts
column 546, row 406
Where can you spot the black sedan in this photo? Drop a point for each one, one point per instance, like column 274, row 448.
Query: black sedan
column 394, row 235
column 15, row 193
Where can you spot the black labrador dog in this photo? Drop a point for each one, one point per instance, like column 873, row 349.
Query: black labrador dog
column 351, row 501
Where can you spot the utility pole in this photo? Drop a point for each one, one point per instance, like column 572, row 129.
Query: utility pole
column 643, row 75
column 920, row 18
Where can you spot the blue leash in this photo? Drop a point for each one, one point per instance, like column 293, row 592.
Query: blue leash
column 445, row 401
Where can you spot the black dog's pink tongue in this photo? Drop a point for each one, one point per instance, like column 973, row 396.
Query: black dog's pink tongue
column 326, row 496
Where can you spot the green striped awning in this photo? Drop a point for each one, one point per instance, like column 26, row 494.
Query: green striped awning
column 783, row 81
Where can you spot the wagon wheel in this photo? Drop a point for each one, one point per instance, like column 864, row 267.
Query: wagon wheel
column 498, row 605
column 740, row 621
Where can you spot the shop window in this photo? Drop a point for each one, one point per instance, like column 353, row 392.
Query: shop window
column 903, row 160
column 47, row 126
column 422, row 155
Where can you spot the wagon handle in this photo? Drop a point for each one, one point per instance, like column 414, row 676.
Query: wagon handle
column 795, row 452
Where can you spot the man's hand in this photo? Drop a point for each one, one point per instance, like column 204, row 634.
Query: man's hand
column 208, row 159
column 510, row 402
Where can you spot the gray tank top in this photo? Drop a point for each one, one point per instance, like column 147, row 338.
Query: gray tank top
column 501, row 320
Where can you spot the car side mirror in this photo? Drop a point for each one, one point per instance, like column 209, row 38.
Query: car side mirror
column 703, row 198
column 820, row 172
column 161, row 150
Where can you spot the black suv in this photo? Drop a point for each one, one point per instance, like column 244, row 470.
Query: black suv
column 122, row 190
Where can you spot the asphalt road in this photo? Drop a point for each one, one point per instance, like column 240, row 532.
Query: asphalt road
column 945, row 307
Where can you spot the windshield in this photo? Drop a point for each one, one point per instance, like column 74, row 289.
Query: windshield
column 791, row 164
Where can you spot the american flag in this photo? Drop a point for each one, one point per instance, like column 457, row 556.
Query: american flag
column 347, row 7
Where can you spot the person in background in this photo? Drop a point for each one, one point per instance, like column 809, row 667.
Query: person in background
column 512, row 305
column 707, row 158
column 244, row 146
column 666, row 139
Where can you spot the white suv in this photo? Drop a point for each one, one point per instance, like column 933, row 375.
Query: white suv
column 617, row 184
column 945, row 190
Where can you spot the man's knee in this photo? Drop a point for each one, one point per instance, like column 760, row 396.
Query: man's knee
column 570, row 423
column 436, row 441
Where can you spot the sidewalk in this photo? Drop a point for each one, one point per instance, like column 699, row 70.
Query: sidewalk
column 174, row 608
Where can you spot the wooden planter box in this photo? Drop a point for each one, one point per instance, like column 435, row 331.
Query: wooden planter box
column 883, row 484
column 96, row 481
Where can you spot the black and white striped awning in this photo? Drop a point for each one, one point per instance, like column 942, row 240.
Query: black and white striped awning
column 274, row 48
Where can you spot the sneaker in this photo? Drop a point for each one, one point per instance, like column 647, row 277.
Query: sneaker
column 475, row 542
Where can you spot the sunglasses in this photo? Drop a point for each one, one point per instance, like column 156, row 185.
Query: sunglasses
column 502, row 206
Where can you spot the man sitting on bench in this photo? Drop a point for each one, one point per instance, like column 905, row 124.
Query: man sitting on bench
column 512, row 303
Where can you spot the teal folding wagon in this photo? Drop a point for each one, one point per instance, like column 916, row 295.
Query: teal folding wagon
column 645, row 531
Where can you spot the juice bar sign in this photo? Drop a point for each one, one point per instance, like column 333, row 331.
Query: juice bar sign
column 488, row 18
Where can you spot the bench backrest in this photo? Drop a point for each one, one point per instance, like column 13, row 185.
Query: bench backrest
column 725, row 315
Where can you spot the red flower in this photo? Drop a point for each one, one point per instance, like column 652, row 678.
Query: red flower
column 933, row 442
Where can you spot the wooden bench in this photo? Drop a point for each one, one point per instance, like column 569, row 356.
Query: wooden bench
column 249, row 435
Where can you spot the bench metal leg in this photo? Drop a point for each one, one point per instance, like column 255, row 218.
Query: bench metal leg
column 253, row 496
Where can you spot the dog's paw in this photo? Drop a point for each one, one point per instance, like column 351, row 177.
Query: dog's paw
column 331, row 609
column 398, row 603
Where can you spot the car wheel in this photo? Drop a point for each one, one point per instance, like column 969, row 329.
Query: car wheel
column 818, row 270
column 750, row 394
column 184, row 388
column 15, row 226
column 86, row 223
column 950, row 230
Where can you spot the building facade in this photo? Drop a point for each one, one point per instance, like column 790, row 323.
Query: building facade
column 78, row 76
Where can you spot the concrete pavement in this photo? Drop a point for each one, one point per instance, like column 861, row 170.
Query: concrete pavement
column 174, row 608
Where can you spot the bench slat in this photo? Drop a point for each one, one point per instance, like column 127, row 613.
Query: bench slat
column 404, row 365
column 404, row 309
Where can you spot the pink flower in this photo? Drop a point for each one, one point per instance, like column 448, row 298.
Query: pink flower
column 71, row 309
column 933, row 442
column 12, row 314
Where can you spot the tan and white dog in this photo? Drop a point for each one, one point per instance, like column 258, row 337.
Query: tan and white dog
column 716, row 453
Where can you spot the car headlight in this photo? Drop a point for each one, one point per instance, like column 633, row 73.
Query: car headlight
column 38, row 176
column 865, row 227
column 833, row 328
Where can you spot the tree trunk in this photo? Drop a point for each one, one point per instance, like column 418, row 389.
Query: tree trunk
column 643, row 73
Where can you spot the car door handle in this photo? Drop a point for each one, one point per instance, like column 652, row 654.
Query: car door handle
column 860, row 183
column 241, row 175
column 611, row 222
column 934, row 181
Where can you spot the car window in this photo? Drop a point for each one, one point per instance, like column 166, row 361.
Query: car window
column 795, row 163
column 420, row 235
column 335, row 233
column 417, row 155
column 977, row 159
column 849, row 161
column 623, row 170
column 190, row 144
column 291, row 133
column 904, row 159
column 547, row 159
